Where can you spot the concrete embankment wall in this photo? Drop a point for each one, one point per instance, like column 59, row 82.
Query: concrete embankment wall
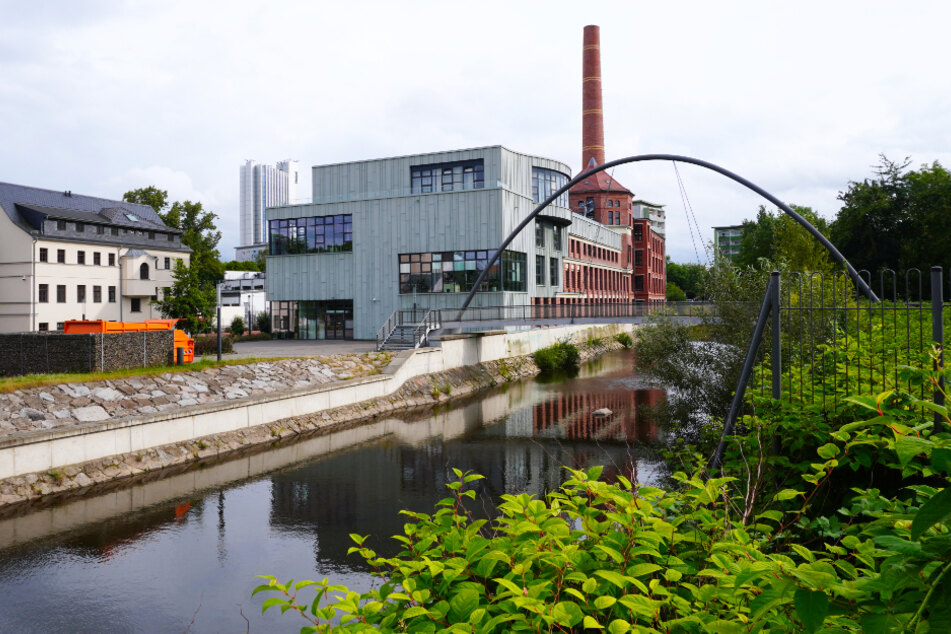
column 46, row 451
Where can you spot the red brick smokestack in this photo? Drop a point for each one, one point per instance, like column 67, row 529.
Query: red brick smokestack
column 592, row 118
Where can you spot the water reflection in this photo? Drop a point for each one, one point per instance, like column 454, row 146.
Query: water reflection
column 147, row 557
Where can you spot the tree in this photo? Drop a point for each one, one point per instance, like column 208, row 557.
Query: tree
column 795, row 249
column 241, row 265
column 193, row 293
column 689, row 278
column 872, row 223
column 757, row 240
column 675, row 293
column 189, row 299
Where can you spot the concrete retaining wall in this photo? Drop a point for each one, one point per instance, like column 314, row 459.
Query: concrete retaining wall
column 43, row 451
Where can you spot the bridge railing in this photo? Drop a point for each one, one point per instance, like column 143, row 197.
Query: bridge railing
column 535, row 313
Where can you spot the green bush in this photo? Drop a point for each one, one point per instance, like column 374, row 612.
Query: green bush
column 260, row 336
column 263, row 321
column 237, row 326
column 209, row 345
column 625, row 340
column 560, row 356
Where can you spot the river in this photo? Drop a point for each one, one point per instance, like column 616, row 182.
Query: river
column 180, row 553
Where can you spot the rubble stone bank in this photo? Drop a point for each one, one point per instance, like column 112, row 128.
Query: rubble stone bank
column 425, row 390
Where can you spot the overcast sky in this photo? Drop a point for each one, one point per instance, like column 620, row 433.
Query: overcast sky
column 798, row 97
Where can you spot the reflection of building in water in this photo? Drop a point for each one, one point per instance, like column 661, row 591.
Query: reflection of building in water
column 570, row 415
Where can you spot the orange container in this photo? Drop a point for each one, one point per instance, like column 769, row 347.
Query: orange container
column 182, row 340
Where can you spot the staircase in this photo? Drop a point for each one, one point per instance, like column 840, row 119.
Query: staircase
column 407, row 329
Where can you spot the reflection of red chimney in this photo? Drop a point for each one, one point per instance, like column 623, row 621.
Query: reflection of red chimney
column 592, row 118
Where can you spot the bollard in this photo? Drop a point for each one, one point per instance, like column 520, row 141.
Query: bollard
column 179, row 355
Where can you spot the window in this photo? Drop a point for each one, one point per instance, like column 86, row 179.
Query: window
column 539, row 235
column 59, row 325
column 457, row 271
column 80, row 257
column 97, row 258
column 144, row 271
column 458, row 176
column 546, row 182
column 80, row 227
column 60, row 293
column 553, row 271
column 44, row 254
column 540, row 270
column 587, row 208
column 638, row 258
column 638, row 283
column 81, row 293
column 171, row 237
column 610, row 203
column 319, row 234
column 43, row 294
column 97, row 294
column 151, row 235
column 112, row 259
column 61, row 255
column 132, row 217
column 168, row 263
column 638, row 233
column 112, row 294
column 44, row 326
column 556, row 238
column 100, row 229
column 136, row 305
column 61, row 225
column 114, row 230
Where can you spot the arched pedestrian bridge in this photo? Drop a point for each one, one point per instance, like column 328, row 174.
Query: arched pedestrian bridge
column 412, row 328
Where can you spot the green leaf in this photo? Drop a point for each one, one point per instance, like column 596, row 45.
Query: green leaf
column 270, row 603
column 812, row 606
column 941, row 459
column 463, row 604
column 416, row 610
column 907, row 447
column 567, row 613
column 619, row 626
column 786, row 494
column 590, row 623
column 614, row 577
column 935, row 510
column 828, row 450
column 639, row 570
column 604, row 602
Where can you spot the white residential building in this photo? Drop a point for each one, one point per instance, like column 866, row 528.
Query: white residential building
column 263, row 186
column 65, row 256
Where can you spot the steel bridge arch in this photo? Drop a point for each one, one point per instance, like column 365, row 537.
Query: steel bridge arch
column 836, row 255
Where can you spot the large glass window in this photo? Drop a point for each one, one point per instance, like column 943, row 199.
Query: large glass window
column 546, row 182
column 553, row 271
column 556, row 238
column 447, row 177
column 318, row 234
column 539, row 235
column 457, row 271
column 325, row 319
column 540, row 270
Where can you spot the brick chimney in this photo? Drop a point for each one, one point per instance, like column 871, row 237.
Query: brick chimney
column 592, row 118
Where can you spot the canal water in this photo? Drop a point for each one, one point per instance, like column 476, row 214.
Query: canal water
column 181, row 553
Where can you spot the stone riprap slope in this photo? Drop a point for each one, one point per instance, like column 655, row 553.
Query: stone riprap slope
column 54, row 406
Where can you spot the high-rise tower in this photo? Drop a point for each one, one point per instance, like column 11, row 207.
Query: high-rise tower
column 263, row 186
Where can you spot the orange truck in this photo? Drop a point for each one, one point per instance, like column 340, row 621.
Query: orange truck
column 182, row 340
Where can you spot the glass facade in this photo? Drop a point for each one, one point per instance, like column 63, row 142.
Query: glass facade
column 317, row 234
column 323, row 319
column 456, row 271
column 447, row 177
column 546, row 182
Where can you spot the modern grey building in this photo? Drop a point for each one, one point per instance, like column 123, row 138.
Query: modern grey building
column 388, row 234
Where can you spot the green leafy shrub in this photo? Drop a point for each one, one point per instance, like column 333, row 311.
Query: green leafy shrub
column 559, row 356
column 263, row 322
column 625, row 340
column 209, row 345
column 237, row 326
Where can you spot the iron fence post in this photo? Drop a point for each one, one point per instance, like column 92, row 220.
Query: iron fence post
column 776, row 355
column 937, row 335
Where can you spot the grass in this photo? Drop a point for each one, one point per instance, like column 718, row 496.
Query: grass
column 13, row 383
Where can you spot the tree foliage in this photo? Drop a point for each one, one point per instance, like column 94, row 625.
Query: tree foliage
column 688, row 277
column 898, row 219
column 193, row 294
column 776, row 240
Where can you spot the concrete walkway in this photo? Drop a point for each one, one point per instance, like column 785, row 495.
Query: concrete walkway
column 297, row 348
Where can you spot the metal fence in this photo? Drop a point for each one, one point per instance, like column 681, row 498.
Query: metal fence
column 817, row 341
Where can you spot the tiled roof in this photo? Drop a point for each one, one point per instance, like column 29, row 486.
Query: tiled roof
column 600, row 182
column 57, row 204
